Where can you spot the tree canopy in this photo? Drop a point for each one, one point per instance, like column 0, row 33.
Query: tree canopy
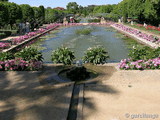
column 72, row 7
column 3, row 14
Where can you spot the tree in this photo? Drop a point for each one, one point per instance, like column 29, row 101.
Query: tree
column 80, row 9
column 3, row 14
column 28, row 13
column 136, row 9
column 42, row 9
column 4, row 0
column 37, row 17
column 72, row 7
column 97, row 9
column 51, row 15
column 37, row 13
column 152, row 11
column 14, row 13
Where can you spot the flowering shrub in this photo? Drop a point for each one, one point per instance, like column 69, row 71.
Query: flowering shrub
column 128, row 64
column 96, row 55
column 19, row 64
column 28, row 58
column 63, row 55
column 139, row 34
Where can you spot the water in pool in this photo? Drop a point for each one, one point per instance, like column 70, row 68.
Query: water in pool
column 115, row 46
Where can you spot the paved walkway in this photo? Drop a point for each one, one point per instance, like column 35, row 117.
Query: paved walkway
column 22, row 97
column 113, row 95
column 125, row 95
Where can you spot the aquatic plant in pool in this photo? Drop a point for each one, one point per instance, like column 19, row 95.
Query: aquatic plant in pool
column 85, row 31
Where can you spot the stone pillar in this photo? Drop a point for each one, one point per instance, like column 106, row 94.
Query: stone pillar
column 103, row 21
column 119, row 20
column 65, row 22
column 132, row 23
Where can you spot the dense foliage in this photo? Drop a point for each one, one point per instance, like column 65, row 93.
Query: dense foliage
column 30, row 53
column 143, row 10
column 12, row 14
column 72, row 7
column 143, row 53
column 3, row 14
column 96, row 55
column 63, row 55
column 6, row 56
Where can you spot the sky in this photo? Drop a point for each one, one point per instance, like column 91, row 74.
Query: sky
column 63, row 3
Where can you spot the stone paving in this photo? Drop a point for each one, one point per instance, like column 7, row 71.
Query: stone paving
column 125, row 95
column 22, row 97
column 113, row 95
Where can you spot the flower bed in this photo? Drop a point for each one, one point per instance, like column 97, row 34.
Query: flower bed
column 18, row 64
column 4, row 45
column 27, row 36
column 128, row 64
column 149, row 27
column 138, row 33
column 31, row 34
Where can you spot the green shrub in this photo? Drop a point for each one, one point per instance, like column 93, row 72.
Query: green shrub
column 84, row 31
column 30, row 53
column 94, row 20
column 63, row 55
column 6, row 56
column 96, row 55
column 2, row 35
column 154, row 53
column 7, row 32
column 143, row 53
column 138, row 53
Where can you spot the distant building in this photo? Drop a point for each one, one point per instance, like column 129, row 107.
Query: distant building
column 59, row 8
